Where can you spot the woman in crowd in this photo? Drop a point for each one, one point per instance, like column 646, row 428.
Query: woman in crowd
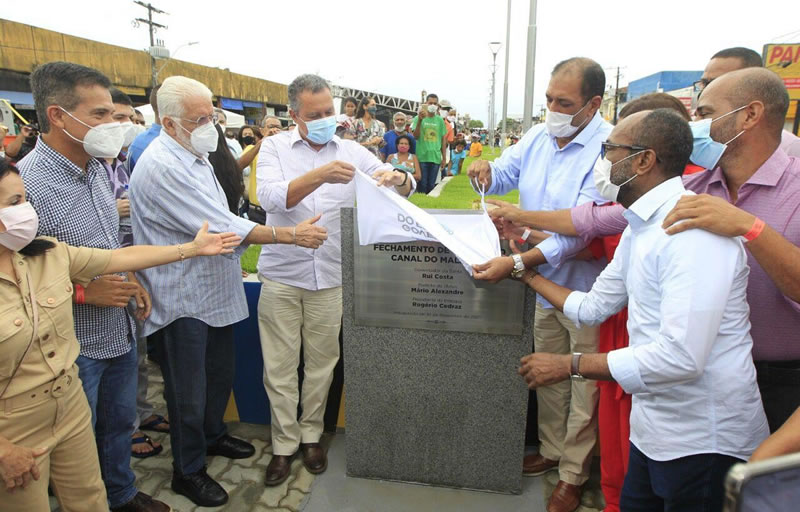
column 368, row 130
column 46, row 429
column 345, row 119
column 404, row 160
column 228, row 173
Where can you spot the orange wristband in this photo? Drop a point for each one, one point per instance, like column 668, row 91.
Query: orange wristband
column 758, row 227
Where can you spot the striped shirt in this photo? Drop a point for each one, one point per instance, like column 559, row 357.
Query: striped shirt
column 77, row 207
column 172, row 193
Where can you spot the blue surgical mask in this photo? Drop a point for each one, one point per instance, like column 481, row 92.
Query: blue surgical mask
column 706, row 151
column 320, row 131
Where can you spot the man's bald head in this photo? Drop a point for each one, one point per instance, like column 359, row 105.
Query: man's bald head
column 745, row 86
column 665, row 132
column 592, row 76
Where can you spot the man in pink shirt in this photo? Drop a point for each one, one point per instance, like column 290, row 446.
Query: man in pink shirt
column 754, row 179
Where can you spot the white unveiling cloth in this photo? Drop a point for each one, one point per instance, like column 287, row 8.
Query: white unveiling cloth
column 386, row 217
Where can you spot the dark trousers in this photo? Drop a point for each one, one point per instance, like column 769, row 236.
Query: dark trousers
column 779, row 383
column 335, row 392
column 428, row 181
column 689, row 484
column 197, row 362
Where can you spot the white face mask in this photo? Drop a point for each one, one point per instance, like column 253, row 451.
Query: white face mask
column 432, row 109
column 602, row 178
column 21, row 224
column 101, row 141
column 129, row 133
column 203, row 139
column 560, row 124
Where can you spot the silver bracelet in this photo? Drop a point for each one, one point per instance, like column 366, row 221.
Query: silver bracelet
column 274, row 235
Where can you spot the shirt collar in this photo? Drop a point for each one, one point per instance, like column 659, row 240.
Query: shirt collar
column 769, row 174
column 186, row 157
column 586, row 134
column 46, row 151
column 648, row 204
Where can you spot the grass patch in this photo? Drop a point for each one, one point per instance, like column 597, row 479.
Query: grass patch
column 250, row 259
column 457, row 195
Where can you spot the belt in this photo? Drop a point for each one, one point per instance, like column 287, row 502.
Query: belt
column 257, row 208
column 56, row 388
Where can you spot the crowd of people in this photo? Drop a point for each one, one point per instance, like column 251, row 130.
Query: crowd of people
column 663, row 251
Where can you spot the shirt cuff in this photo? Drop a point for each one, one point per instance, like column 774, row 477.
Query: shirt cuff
column 274, row 200
column 623, row 367
column 572, row 307
column 551, row 250
column 241, row 226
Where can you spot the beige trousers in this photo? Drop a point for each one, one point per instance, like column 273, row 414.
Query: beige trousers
column 64, row 425
column 288, row 317
column 567, row 410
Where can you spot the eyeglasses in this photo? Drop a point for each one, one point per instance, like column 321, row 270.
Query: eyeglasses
column 605, row 147
column 200, row 121
column 701, row 84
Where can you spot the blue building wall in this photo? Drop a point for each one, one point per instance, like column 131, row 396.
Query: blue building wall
column 664, row 80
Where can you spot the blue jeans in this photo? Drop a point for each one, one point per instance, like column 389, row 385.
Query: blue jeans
column 110, row 387
column 688, row 484
column 197, row 362
column 428, row 181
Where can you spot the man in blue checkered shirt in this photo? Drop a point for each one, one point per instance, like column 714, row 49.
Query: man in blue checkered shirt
column 71, row 192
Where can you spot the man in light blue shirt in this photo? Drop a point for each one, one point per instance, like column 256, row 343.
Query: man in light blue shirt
column 144, row 139
column 552, row 168
column 696, row 407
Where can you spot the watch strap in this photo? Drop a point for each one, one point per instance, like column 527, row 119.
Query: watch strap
column 575, row 367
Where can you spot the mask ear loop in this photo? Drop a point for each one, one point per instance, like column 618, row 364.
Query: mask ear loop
column 482, row 192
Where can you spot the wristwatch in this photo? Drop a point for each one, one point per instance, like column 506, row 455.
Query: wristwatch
column 574, row 372
column 519, row 266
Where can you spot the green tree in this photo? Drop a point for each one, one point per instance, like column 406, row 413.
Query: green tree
column 475, row 123
column 512, row 125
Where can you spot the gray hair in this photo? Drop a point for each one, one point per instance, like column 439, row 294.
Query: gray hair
column 267, row 118
column 174, row 91
column 221, row 113
column 399, row 114
column 307, row 82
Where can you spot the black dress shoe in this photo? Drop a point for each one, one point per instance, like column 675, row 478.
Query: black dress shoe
column 231, row 448
column 278, row 470
column 200, row 488
column 314, row 458
column 143, row 503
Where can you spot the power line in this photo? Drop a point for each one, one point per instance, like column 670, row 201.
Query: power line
column 152, row 25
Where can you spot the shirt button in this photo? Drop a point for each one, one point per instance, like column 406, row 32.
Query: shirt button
column 50, row 300
column 62, row 372
column 69, row 288
column 51, row 355
column 46, row 337
column 18, row 322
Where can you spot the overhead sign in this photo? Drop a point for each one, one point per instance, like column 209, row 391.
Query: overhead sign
column 784, row 59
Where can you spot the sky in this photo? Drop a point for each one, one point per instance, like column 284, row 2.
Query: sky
column 403, row 47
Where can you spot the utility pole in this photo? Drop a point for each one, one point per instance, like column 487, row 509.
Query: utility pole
column 616, row 97
column 494, row 47
column 530, row 70
column 504, row 131
column 152, row 25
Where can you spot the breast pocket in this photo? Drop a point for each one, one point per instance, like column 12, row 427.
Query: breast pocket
column 12, row 339
column 55, row 308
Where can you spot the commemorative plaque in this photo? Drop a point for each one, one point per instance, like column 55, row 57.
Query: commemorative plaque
column 423, row 285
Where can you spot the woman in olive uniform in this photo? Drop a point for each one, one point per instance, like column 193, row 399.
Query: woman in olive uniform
column 45, row 421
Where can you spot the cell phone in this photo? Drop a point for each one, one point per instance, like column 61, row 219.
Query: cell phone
column 770, row 485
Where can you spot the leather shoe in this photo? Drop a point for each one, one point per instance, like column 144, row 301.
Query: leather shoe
column 143, row 503
column 314, row 458
column 278, row 470
column 565, row 498
column 231, row 448
column 535, row 465
column 200, row 488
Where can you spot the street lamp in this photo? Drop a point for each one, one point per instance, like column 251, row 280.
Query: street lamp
column 494, row 47
column 172, row 55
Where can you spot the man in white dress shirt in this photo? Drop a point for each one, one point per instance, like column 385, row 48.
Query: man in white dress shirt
column 696, row 406
column 299, row 172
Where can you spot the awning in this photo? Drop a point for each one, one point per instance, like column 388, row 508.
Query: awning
column 233, row 104
column 17, row 98
column 132, row 91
